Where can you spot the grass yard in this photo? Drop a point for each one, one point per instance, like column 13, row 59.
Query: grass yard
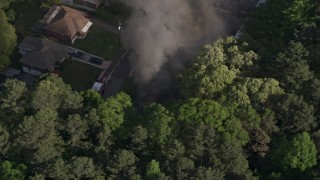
column 27, row 15
column 105, row 14
column 99, row 42
column 113, row 14
column 79, row 75
column 27, row 20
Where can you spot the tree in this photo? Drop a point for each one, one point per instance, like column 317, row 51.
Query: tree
column 153, row 170
column 53, row 93
column 9, row 171
column 299, row 153
column 311, row 91
column 293, row 67
column 5, row 4
column 76, row 129
column 12, row 95
column 183, row 167
column 159, row 121
column 294, row 114
column 267, row 26
column 253, row 91
column 11, row 15
column 173, row 149
column 8, row 39
column 57, row 169
column 99, row 133
column 91, row 99
column 138, row 139
column 261, row 142
column 207, row 111
column 123, row 164
column 37, row 140
column 4, row 141
column 298, row 11
column 303, row 153
column 204, row 173
column 268, row 121
column 215, row 67
column 232, row 157
column 37, row 177
column 83, row 168
column 307, row 30
column 193, row 136
column 113, row 109
column 250, row 119
column 316, row 139
column 13, row 103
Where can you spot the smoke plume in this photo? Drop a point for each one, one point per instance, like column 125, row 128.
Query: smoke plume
column 164, row 31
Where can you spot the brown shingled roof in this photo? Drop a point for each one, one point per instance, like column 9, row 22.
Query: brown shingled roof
column 67, row 21
column 43, row 53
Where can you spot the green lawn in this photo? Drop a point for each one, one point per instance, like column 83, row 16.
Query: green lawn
column 113, row 14
column 79, row 75
column 99, row 42
column 105, row 14
column 27, row 15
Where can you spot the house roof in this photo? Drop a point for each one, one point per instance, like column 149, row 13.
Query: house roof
column 65, row 20
column 42, row 53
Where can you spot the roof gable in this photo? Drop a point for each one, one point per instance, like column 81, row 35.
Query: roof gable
column 46, row 57
column 65, row 20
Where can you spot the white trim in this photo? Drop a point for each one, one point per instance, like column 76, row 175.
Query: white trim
column 31, row 71
column 261, row 2
column 97, row 86
column 86, row 27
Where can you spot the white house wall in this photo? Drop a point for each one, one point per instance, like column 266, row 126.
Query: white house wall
column 31, row 71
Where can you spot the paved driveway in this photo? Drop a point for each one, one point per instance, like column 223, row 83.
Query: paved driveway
column 113, row 86
column 119, row 71
column 86, row 59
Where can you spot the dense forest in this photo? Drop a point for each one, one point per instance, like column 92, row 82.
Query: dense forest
column 248, row 108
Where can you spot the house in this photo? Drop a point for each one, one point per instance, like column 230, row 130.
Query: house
column 41, row 55
column 65, row 24
column 90, row 5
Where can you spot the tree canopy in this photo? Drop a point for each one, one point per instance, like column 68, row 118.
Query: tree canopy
column 8, row 39
column 245, row 108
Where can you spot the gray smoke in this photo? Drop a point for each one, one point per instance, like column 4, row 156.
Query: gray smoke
column 165, row 31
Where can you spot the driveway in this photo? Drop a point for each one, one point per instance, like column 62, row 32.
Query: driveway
column 113, row 86
column 86, row 59
column 106, row 64
column 119, row 71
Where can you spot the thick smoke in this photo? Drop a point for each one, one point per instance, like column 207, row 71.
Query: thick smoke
column 164, row 31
